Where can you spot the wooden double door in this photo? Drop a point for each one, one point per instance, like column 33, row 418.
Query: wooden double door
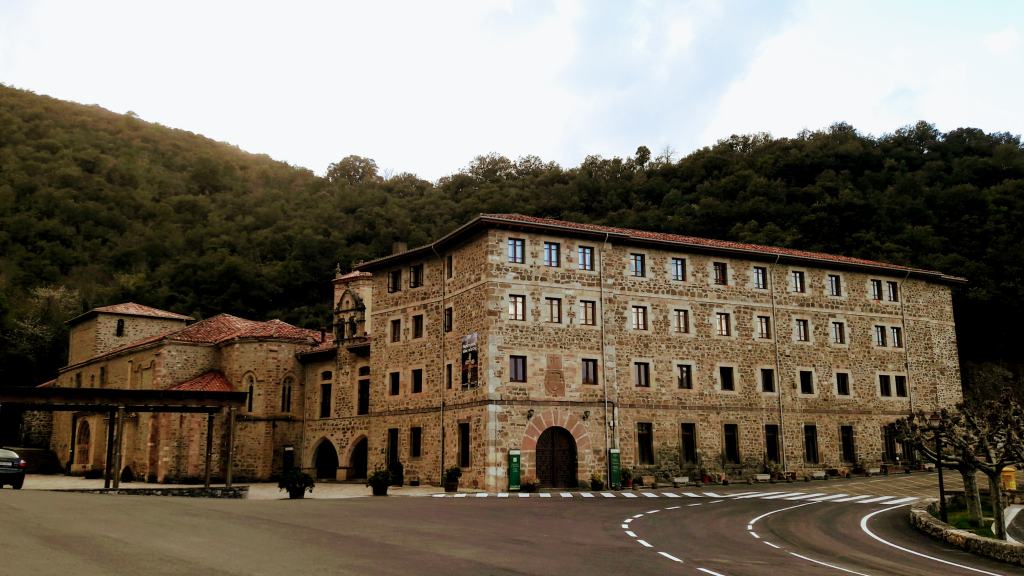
column 556, row 458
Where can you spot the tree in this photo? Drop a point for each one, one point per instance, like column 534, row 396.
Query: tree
column 353, row 170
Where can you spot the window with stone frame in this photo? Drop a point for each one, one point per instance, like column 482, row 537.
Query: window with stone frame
column 681, row 321
column 897, row 336
column 639, row 317
column 552, row 254
column 721, row 273
column 876, row 289
column 842, row 384
column 396, row 330
column 517, row 307
column 585, row 255
column 760, row 277
column 325, row 400
column 464, row 444
column 684, row 376
column 394, row 383
column 892, row 291
column 119, row 329
column 901, row 385
column 517, row 368
column 880, row 339
column 417, row 326
column 764, row 327
column 516, row 250
column 835, row 285
column 637, row 265
column 395, row 280
column 416, row 276
column 589, row 308
column 448, row 376
column 679, row 269
column 731, row 443
column 415, row 442
column 448, row 316
column 286, row 394
column 417, row 380
column 802, row 330
column 449, row 266
column 811, row 444
column 767, row 380
column 642, row 374
column 727, row 378
column 588, row 369
column 771, row 442
column 645, row 443
column 688, row 443
column 806, row 382
column 554, row 309
column 884, row 385
column 723, row 323
column 838, row 332
column 797, row 282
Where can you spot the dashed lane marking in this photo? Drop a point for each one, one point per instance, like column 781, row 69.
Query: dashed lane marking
column 829, row 565
column 645, row 543
column 630, row 533
column 770, row 544
column 706, row 571
column 697, row 504
column 670, row 557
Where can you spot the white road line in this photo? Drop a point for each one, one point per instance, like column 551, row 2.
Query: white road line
column 650, row 494
column 783, row 495
column 850, row 498
column 545, row 495
column 646, row 545
column 829, row 497
column 806, row 496
column 670, row 557
column 697, row 504
column 754, row 534
column 586, row 494
column 864, row 527
column 630, row 533
column 673, row 508
column 744, row 494
column 628, row 520
column 706, row 571
column 482, row 494
column 438, row 495
column 607, row 494
column 750, row 526
column 462, row 495
column 625, row 526
column 653, row 511
column 875, row 499
column 629, row 495
column 900, row 501
column 566, row 494
column 691, row 494
column 502, row 494
column 766, row 514
column 716, row 501
column 770, row 544
column 670, row 494
column 827, row 564
column 758, row 495
column 524, row 494
column 713, row 495
column 638, row 515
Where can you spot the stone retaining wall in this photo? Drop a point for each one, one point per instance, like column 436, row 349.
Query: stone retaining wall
column 200, row 492
column 922, row 519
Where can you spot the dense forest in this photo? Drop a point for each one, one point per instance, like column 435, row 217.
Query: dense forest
column 97, row 208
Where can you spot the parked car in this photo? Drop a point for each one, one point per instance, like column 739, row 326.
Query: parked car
column 12, row 469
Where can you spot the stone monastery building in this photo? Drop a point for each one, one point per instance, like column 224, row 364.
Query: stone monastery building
column 561, row 340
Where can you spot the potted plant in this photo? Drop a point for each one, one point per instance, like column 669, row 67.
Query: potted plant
column 529, row 484
column 379, row 481
column 451, row 479
column 596, row 482
column 626, row 477
column 296, row 483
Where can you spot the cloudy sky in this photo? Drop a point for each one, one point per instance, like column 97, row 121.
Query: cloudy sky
column 424, row 87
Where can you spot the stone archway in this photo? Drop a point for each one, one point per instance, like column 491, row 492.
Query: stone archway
column 571, row 425
column 325, row 460
column 82, row 439
column 357, row 461
column 556, row 458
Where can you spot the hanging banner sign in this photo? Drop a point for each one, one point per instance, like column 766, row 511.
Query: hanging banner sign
column 470, row 368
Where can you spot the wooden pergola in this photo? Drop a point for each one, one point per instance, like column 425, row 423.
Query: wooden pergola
column 119, row 403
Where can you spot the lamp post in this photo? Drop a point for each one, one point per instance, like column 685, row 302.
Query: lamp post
column 935, row 425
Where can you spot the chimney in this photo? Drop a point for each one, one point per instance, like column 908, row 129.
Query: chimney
column 399, row 247
column 323, row 334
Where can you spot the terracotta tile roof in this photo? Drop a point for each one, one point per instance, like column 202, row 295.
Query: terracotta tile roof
column 213, row 330
column 131, row 309
column 48, row 384
column 277, row 329
column 355, row 275
column 212, row 381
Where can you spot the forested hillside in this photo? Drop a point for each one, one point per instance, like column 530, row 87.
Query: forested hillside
column 97, row 207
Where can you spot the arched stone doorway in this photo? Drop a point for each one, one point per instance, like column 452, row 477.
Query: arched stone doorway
column 325, row 459
column 82, row 443
column 556, row 458
column 357, row 463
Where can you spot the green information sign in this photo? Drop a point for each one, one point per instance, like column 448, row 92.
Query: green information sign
column 513, row 469
column 614, row 468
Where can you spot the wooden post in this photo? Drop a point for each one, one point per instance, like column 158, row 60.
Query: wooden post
column 108, row 461
column 209, row 446
column 119, row 446
column 74, row 439
column 231, row 446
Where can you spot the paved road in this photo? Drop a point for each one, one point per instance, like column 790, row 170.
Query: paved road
column 86, row 534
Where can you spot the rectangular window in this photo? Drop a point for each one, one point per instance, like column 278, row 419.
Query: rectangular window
column 639, row 317
column 810, row 444
column 588, row 368
column 876, row 289
column 802, row 331
column 897, row 336
column 767, row 380
column 395, row 383
column 764, row 327
column 645, row 443
column 516, row 307
column 806, row 382
column 725, row 374
column 417, row 381
column 517, row 368
column 679, row 269
column 417, row 326
column 119, row 329
column 835, row 285
column 396, row 330
column 842, row 384
column 416, row 276
column 552, row 254
column 363, row 398
column 884, row 385
column 838, row 333
column 721, row 273
column 448, row 316
column 589, row 312
column 554, row 306
column 448, row 376
column 688, row 443
column 103, row 375
column 394, row 281
column 901, row 386
column 893, row 291
column 771, row 442
column 723, row 323
column 516, row 250
column 731, row 433
column 684, row 376
column 415, row 442
column 637, row 266
column 464, row 444
column 325, row 401
column 449, row 266
column 586, row 258
column 392, row 455
column 760, row 277
column 879, row 335
column 796, row 282
column 681, row 321
column 848, row 451
column 642, row 374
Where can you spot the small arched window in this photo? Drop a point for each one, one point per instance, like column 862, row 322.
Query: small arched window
column 286, row 394
column 250, row 383
column 119, row 331
column 326, row 375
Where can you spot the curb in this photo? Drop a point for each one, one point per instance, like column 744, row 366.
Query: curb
column 923, row 521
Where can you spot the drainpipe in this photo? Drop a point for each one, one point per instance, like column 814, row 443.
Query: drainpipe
column 778, row 368
column 906, row 347
column 442, row 383
column 604, row 372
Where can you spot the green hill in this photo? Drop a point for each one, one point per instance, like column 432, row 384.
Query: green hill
column 97, row 207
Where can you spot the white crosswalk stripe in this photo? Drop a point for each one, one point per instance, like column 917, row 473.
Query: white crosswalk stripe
column 586, row 494
column 900, row 501
column 649, row 494
column 524, row 494
column 670, row 495
column 545, row 495
column 691, row 494
column 566, row 494
column 482, row 495
column 607, row 494
column 875, row 499
column 828, row 497
column 851, row 498
column 806, row 496
column 628, row 495
column 783, row 495
column 796, row 496
column 761, row 495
